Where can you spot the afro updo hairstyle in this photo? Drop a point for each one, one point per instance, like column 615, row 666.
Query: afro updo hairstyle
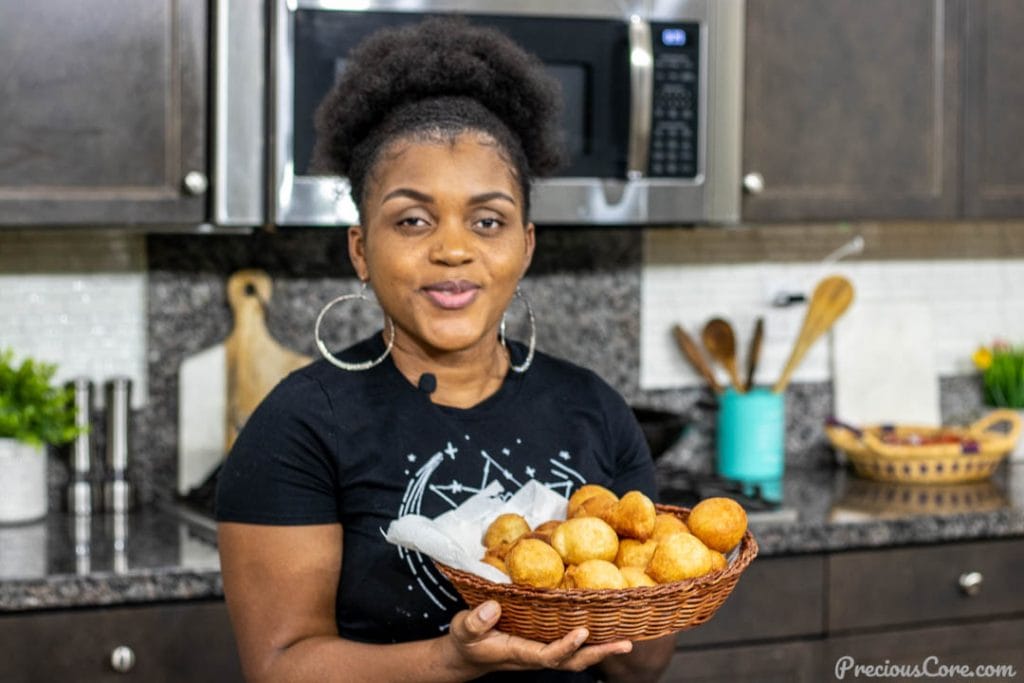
column 434, row 81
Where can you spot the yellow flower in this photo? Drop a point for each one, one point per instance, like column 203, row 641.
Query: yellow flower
column 982, row 358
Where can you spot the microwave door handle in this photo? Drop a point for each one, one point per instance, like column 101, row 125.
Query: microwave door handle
column 641, row 90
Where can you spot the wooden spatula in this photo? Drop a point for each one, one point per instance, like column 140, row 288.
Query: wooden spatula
column 692, row 353
column 754, row 352
column 831, row 297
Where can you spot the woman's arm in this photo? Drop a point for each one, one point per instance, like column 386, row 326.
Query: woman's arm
column 280, row 585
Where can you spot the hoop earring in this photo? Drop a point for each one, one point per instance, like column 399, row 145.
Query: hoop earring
column 533, row 336
column 334, row 360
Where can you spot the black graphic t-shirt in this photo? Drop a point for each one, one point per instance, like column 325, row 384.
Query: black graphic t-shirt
column 363, row 448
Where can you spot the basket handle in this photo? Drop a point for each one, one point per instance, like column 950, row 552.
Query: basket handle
column 981, row 427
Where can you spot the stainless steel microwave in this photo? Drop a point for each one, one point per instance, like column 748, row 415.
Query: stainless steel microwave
column 652, row 117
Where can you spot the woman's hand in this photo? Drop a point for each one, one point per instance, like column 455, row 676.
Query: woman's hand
column 479, row 648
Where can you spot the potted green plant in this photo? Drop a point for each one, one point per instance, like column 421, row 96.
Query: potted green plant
column 34, row 413
column 1002, row 379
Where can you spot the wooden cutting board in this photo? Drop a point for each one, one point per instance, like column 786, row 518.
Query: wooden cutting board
column 219, row 387
column 256, row 362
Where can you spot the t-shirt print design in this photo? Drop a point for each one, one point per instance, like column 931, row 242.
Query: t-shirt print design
column 441, row 478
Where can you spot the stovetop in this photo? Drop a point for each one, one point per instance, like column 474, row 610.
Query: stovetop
column 762, row 501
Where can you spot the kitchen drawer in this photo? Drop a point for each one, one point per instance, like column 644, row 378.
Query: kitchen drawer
column 171, row 643
column 998, row 643
column 775, row 598
column 791, row 662
column 914, row 585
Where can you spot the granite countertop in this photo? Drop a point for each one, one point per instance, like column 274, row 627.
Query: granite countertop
column 155, row 555
column 149, row 555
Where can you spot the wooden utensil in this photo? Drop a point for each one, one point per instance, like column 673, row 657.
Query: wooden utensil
column 831, row 297
column 720, row 342
column 754, row 352
column 692, row 353
column 255, row 360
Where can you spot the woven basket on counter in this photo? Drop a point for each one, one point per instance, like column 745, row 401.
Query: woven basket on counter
column 630, row 613
column 973, row 458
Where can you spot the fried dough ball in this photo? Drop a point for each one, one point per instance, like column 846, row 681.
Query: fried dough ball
column 718, row 561
column 594, row 574
column 718, row 522
column 495, row 562
column 634, row 553
column 544, row 531
column 582, row 494
column 534, row 563
column 597, row 506
column 635, row 577
column 585, row 538
column 677, row 557
column 501, row 549
column 632, row 517
column 666, row 524
column 506, row 528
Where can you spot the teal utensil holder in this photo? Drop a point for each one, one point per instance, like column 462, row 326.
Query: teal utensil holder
column 751, row 435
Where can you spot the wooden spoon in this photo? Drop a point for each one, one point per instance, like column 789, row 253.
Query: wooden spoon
column 754, row 353
column 692, row 353
column 720, row 341
column 830, row 299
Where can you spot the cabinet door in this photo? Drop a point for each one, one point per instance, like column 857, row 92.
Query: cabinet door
column 994, row 124
column 180, row 642
column 769, row 588
column 104, row 111
column 851, row 108
column 873, row 588
column 789, row 662
column 951, row 653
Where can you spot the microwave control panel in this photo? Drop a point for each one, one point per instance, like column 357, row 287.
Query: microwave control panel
column 674, row 121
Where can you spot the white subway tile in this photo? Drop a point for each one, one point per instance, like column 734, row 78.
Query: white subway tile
column 971, row 302
column 77, row 300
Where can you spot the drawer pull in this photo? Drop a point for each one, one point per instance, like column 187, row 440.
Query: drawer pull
column 122, row 659
column 970, row 583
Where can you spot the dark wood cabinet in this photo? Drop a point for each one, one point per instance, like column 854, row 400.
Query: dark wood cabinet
column 169, row 643
column 794, row 619
column 852, row 109
column 996, row 643
column 104, row 112
column 790, row 586
column 789, row 662
column 993, row 121
column 920, row 585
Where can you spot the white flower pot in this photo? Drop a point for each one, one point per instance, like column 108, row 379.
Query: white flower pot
column 22, row 482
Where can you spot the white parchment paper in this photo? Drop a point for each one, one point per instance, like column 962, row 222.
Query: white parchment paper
column 456, row 537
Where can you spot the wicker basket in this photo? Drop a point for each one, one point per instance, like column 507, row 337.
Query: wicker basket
column 974, row 459
column 631, row 613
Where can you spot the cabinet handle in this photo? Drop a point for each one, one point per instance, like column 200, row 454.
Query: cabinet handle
column 753, row 183
column 970, row 583
column 122, row 659
column 195, row 183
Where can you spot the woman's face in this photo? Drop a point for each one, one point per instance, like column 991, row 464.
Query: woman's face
column 443, row 242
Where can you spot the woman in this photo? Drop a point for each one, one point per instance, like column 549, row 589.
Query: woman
column 439, row 128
